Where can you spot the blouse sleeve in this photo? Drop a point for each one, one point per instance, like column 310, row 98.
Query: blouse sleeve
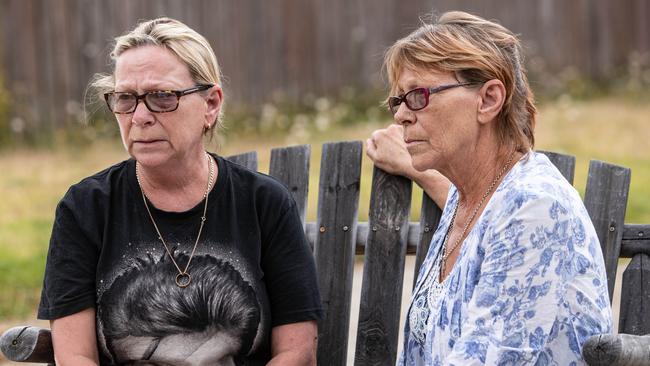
column 541, row 281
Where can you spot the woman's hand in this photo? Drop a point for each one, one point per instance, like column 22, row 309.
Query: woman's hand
column 387, row 149
column 74, row 339
column 294, row 344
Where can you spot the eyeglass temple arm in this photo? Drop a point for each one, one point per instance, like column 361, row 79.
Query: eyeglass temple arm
column 195, row 89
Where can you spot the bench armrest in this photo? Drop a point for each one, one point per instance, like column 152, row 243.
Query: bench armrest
column 617, row 350
column 27, row 344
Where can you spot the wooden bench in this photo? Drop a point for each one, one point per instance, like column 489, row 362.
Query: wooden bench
column 388, row 236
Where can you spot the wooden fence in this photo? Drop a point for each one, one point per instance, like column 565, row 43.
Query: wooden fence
column 50, row 48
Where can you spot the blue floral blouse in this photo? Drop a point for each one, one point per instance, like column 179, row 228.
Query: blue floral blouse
column 528, row 288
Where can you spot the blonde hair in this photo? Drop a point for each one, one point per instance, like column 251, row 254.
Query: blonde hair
column 475, row 50
column 188, row 45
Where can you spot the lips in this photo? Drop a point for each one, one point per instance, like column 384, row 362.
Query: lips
column 151, row 141
column 412, row 140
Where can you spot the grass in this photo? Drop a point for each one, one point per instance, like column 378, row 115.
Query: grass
column 610, row 129
column 613, row 129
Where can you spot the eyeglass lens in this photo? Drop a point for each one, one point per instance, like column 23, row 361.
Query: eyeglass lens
column 415, row 99
column 160, row 101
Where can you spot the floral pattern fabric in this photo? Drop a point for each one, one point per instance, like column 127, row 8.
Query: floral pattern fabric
column 529, row 286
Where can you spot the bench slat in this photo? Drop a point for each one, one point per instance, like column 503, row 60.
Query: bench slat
column 338, row 205
column 381, row 291
column 290, row 165
column 635, row 297
column 605, row 199
column 429, row 220
column 247, row 159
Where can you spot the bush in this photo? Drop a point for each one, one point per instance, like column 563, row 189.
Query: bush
column 311, row 114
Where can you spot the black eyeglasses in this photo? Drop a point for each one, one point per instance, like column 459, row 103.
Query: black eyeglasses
column 418, row 98
column 158, row 101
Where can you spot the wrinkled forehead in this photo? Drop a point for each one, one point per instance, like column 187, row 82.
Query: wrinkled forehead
column 410, row 77
column 149, row 67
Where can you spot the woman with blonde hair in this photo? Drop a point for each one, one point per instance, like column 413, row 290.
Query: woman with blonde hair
column 514, row 274
column 176, row 256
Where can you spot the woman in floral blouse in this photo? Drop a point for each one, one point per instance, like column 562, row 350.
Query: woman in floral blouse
column 514, row 274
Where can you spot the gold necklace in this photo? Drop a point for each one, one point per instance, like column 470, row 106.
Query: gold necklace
column 183, row 278
column 446, row 253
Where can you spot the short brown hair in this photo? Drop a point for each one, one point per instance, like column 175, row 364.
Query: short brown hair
column 476, row 50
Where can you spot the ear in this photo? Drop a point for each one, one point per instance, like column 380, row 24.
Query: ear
column 491, row 98
column 213, row 100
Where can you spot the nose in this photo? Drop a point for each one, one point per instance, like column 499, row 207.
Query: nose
column 404, row 115
column 142, row 115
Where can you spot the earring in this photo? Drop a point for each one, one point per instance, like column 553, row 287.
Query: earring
column 207, row 128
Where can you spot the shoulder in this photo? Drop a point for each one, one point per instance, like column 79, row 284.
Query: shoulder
column 535, row 205
column 99, row 186
column 535, row 183
column 535, row 200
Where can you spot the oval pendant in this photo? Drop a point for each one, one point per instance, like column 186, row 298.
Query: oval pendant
column 183, row 279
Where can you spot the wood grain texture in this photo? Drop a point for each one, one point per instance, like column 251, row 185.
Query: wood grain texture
column 27, row 344
column 617, row 350
column 379, row 311
column 338, row 206
column 290, row 165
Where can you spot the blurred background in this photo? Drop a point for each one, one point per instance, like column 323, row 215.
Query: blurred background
column 296, row 72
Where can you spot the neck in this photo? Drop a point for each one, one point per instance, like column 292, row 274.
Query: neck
column 176, row 188
column 474, row 175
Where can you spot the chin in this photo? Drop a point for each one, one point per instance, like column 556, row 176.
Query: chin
column 150, row 159
column 421, row 163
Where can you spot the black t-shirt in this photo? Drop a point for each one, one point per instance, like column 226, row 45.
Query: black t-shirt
column 252, row 269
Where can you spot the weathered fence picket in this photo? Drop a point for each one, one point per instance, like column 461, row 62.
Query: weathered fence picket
column 383, row 270
column 566, row 164
column 334, row 247
column 606, row 199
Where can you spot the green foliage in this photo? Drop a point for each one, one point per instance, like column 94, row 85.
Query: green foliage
column 22, row 261
column 631, row 80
